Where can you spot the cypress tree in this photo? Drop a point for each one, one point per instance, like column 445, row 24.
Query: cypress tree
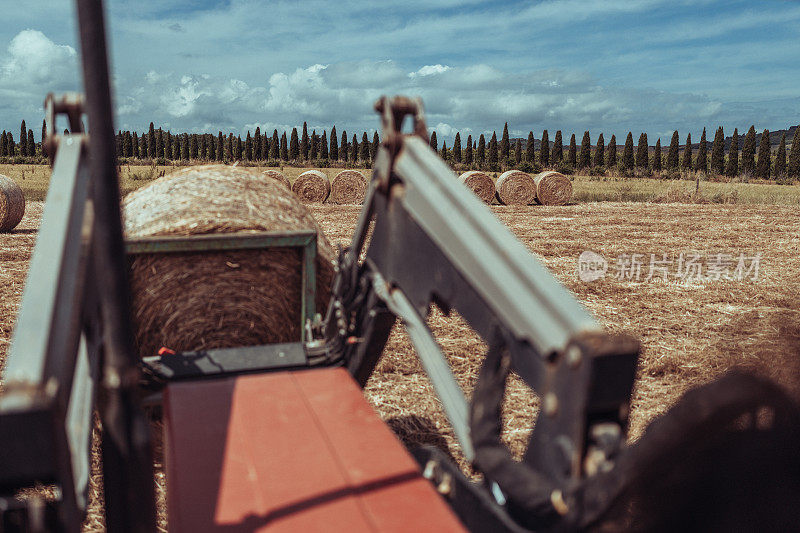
column 323, row 146
column 168, row 145
column 557, row 154
column 793, row 168
column 586, row 151
column 248, row 147
column 657, row 156
column 44, row 136
column 468, row 151
column 599, row 152
column 518, row 152
column 611, row 155
column 275, row 146
column 239, row 147
column 135, row 145
column 718, row 152
column 185, row 147
column 780, row 158
column 434, row 144
column 443, row 153
column 732, row 168
column 304, row 146
column 672, row 155
column 749, row 152
column 192, row 146
column 544, row 149
column 284, row 147
column 257, row 144
column 343, row 151
column 176, row 148
column 334, row 151
column 530, row 148
column 365, row 147
column 701, row 163
column 627, row 153
column 376, row 143
column 504, row 144
column 220, row 146
column 642, row 155
column 492, row 156
column 313, row 151
column 572, row 159
column 10, row 148
column 159, row 143
column 354, row 149
column 151, row 142
column 127, row 150
column 23, row 139
column 265, row 140
column 457, row 148
column 31, row 144
column 481, row 151
column 764, row 163
column 202, row 148
column 294, row 146
column 3, row 144
column 686, row 163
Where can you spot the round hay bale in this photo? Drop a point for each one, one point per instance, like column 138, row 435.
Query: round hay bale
column 12, row 204
column 348, row 187
column 479, row 183
column 516, row 188
column 278, row 176
column 195, row 301
column 312, row 186
column 552, row 188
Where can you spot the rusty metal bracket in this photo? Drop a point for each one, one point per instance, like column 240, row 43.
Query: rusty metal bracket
column 393, row 111
column 70, row 104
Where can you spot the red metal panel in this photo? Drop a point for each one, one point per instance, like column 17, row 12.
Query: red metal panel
column 298, row 451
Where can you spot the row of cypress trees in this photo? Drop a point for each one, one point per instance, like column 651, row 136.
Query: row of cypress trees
column 158, row 144
column 550, row 155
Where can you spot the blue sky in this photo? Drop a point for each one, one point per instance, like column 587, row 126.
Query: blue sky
column 607, row 66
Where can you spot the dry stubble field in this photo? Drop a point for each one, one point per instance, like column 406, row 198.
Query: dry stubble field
column 690, row 332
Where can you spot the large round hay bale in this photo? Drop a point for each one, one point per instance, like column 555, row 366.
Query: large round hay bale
column 312, row 186
column 552, row 188
column 278, row 176
column 481, row 184
column 516, row 188
column 12, row 204
column 194, row 301
column 348, row 187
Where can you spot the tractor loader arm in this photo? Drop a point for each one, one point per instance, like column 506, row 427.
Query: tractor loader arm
column 434, row 242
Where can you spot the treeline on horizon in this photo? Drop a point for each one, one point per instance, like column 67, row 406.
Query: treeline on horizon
column 157, row 146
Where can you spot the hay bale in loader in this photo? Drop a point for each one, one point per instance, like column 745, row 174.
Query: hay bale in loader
column 12, row 204
column 516, row 188
column 348, row 187
column 479, row 183
column 552, row 188
column 195, row 301
column 312, row 186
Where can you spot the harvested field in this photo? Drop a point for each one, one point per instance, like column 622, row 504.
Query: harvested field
column 690, row 331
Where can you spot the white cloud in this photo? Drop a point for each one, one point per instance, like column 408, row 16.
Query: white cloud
column 34, row 60
column 429, row 70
